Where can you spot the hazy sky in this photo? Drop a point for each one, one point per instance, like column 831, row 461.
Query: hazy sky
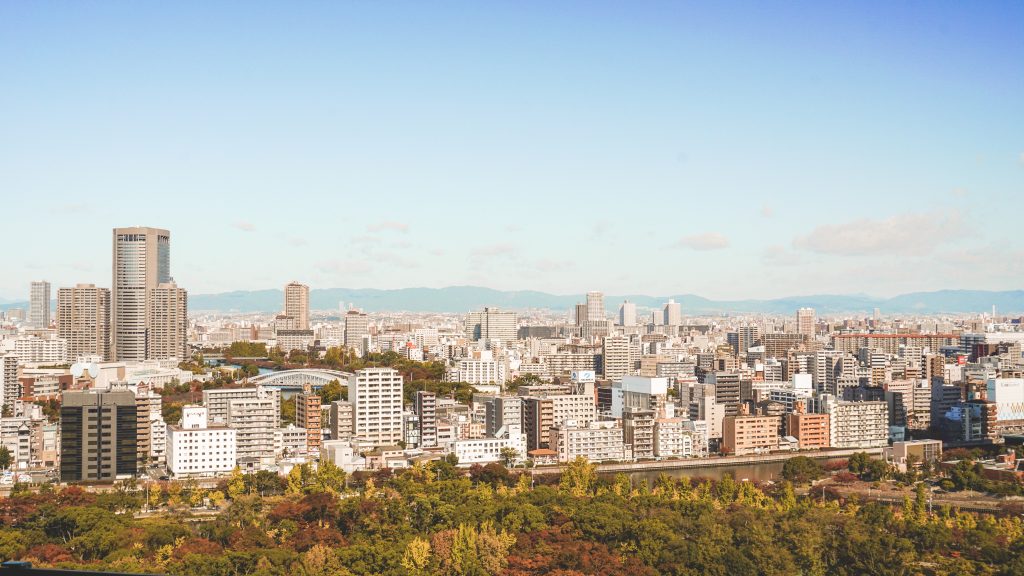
column 724, row 149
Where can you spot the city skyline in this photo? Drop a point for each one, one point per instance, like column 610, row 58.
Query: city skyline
column 798, row 150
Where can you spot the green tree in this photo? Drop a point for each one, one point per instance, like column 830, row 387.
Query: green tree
column 579, row 477
column 5, row 458
column 801, row 470
column 332, row 391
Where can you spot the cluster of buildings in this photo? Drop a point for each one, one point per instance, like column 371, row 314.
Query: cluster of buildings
column 641, row 384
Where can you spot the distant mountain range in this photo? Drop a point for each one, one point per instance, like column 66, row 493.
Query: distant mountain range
column 455, row 299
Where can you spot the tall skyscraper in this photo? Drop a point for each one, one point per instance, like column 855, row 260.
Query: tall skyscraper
column 99, row 436
column 595, row 307
column 627, row 314
column 491, row 324
column 168, row 322
column 296, row 304
column 83, row 319
column 357, row 327
column 142, row 261
column 805, row 321
column 39, row 305
column 672, row 313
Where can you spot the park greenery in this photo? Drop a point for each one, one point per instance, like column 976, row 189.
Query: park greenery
column 436, row 519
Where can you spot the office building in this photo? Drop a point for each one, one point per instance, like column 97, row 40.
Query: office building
column 168, row 323
column 142, row 261
column 376, row 396
column 83, row 320
column 595, row 307
column 98, row 436
column 627, row 314
column 672, row 313
column 491, row 324
column 39, row 305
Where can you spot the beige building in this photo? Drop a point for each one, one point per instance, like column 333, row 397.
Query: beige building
column 83, row 320
column 39, row 305
column 142, row 261
column 805, row 322
column 296, row 304
column 357, row 328
column 168, row 322
column 750, row 434
column 617, row 358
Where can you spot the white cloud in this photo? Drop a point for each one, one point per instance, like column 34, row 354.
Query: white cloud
column 903, row 234
column 245, row 226
column 767, row 210
column 389, row 225
column 706, row 241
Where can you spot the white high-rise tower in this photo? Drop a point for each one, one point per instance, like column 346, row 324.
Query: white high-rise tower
column 142, row 261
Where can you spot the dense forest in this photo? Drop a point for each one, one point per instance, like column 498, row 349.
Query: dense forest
column 438, row 519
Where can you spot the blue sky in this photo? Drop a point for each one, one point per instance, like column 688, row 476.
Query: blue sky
column 730, row 150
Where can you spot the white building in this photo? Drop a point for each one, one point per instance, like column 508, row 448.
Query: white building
column 1008, row 394
column 673, row 438
column 485, row 450
column 596, row 442
column 854, row 424
column 376, row 396
column 482, row 368
column 35, row 350
column 196, row 449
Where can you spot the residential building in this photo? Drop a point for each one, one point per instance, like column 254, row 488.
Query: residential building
column 254, row 421
column 309, row 415
column 746, row 434
column 357, row 331
column 805, row 322
column 597, row 442
column 425, row 406
column 217, row 401
column 168, row 322
column 376, row 395
column 39, row 305
column 638, row 431
column 296, row 304
column 673, row 439
column 812, row 431
column 340, row 416
column 83, row 321
column 617, row 357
